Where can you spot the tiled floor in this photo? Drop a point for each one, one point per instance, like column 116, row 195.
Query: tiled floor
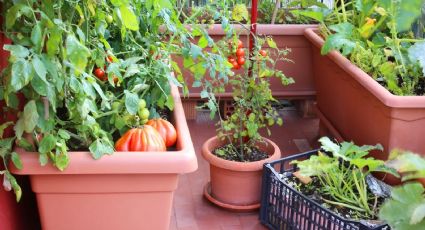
column 192, row 211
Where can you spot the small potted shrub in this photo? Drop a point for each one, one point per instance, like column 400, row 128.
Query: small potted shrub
column 238, row 151
column 369, row 80
column 94, row 80
column 331, row 188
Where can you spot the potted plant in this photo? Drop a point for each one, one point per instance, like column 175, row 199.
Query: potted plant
column 330, row 188
column 371, row 90
column 287, row 36
column 404, row 210
column 92, row 76
column 238, row 151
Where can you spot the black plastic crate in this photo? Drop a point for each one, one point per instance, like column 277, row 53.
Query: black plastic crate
column 284, row 208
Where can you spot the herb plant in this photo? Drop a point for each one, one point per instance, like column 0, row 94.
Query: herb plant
column 342, row 175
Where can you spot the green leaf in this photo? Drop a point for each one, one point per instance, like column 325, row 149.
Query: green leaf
column 128, row 18
column 30, row 116
column 416, row 54
column 53, row 43
column 271, row 43
column 98, row 148
column 39, row 68
column 16, row 160
column 240, row 12
column 21, row 74
column 61, row 160
column 43, row 159
column 131, row 102
column 17, row 50
column 315, row 15
column 19, row 128
column 195, row 51
column 15, row 12
column 330, row 146
column 203, row 42
column 47, row 144
column 36, row 35
column 405, row 208
column 406, row 13
column 77, row 53
column 39, row 85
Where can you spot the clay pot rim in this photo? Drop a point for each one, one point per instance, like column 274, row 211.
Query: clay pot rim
column 380, row 92
column 235, row 165
column 268, row 29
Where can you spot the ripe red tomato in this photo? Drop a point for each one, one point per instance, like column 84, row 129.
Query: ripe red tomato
column 240, row 44
column 165, row 129
column 241, row 60
column 109, row 59
column 144, row 138
column 236, row 65
column 100, row 73
column 240, row 52
column 231, row 59
column 263, row 53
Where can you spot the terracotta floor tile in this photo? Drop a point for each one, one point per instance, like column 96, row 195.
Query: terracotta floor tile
column 193, row 212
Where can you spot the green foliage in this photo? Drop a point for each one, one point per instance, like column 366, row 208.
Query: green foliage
column 342, row 175
column 377, row 36
column 406, row 208
column 56, row 49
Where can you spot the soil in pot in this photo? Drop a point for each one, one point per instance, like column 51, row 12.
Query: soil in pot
column 251, row 154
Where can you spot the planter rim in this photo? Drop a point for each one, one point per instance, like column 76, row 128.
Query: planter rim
column 81, row 162
column 269, row 29
column 379, row 91
column 234, row 165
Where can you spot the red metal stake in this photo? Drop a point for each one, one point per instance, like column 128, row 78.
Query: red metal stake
column 253, row 32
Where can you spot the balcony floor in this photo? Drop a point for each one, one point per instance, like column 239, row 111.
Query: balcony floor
column 192, row 211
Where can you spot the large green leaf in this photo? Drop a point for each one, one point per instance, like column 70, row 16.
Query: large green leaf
column 417, row 54
column 77, row 53
column 405, row 208
column 30, row 116
column 128, row 18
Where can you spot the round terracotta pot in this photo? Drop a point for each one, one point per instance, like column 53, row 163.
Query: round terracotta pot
column 237, row 183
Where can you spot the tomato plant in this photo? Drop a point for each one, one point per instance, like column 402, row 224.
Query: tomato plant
column 57, row 53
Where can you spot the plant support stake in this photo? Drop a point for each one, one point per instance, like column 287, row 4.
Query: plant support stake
column 253, row 32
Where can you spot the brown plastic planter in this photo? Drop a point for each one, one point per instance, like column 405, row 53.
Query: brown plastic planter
column 127, row 190
column 286, row 36
column 362, row 110
column 236, row 185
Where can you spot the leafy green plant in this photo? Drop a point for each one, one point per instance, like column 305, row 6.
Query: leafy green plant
column 251, row 93
column 382, row 28
column 406, row 208
column 90, row 70
column 342, row 175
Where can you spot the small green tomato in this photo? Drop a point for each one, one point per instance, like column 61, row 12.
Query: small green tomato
column 109, row 19
column 142, row 104
column 143, row 114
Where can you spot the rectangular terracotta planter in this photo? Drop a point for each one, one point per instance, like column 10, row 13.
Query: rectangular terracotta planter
column 127, row 190
column 285, row 36
column 362, row 110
